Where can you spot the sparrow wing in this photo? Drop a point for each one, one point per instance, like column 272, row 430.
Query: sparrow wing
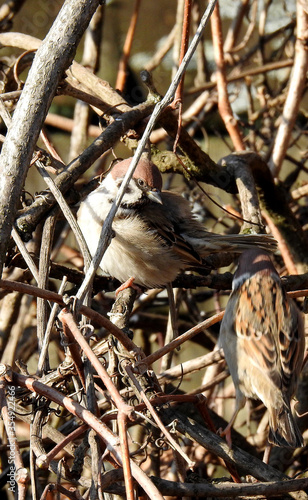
column 291, row 342
column 167, row 233
column 166, row 222
column 265, row 327
column 178, row 211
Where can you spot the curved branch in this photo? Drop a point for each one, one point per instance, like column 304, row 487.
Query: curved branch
column 273, row 200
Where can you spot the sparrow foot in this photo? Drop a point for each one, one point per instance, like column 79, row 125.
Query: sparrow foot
column 226, row 433
column 129, row 284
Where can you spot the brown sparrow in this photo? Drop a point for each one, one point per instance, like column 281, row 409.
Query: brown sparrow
column 262, row 336
column 155, row 232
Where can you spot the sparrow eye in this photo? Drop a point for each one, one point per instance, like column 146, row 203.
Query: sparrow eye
column 141, row 183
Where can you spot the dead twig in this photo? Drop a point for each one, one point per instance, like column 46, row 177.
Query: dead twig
column 223, row 98
column 295, row 92
column 122, row 70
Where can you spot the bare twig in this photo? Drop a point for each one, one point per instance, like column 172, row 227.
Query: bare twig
column 295, row 92
column 156, row 418
column 223, row 98
column 67, row 212
column 79, row 82
column 184, row 44
column 90, row 59
column 122, row 71
column 42, row 305
column 234, row 30
column 283, row 248
column 191, row 365
column 178, row 96
column 129, row 485
column 145, row 362
column 49, row 326
column 232, row 490
column 93, row 315
column 68, row 319
column 161, row 53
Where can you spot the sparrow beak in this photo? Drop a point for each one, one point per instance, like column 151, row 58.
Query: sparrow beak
column 154, row 195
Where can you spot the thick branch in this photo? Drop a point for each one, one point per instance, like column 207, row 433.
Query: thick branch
column 215, row 444
column 33, row 105
column 226, row 489
column 273, row 200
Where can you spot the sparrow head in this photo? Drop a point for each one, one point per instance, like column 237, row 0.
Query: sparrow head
column 251, row 262
column 146, row 182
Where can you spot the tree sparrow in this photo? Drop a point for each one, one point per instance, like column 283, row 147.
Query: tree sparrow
column 155, row 233
column 262, row 335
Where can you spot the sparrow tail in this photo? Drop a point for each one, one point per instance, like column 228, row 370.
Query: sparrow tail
column 286, row 432
column 235, row 242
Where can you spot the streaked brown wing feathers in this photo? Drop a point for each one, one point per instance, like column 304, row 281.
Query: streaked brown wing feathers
column 255, row 324
column 171, row 238
column 291, row 340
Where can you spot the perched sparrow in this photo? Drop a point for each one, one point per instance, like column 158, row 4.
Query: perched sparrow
column 262, row 336
column 155, row 233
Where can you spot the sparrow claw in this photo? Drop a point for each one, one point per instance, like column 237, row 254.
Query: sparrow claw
column 129, row 284
column 226, row 433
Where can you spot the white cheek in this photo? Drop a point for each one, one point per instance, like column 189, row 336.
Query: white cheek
column 132, row 194
column 110, row 184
